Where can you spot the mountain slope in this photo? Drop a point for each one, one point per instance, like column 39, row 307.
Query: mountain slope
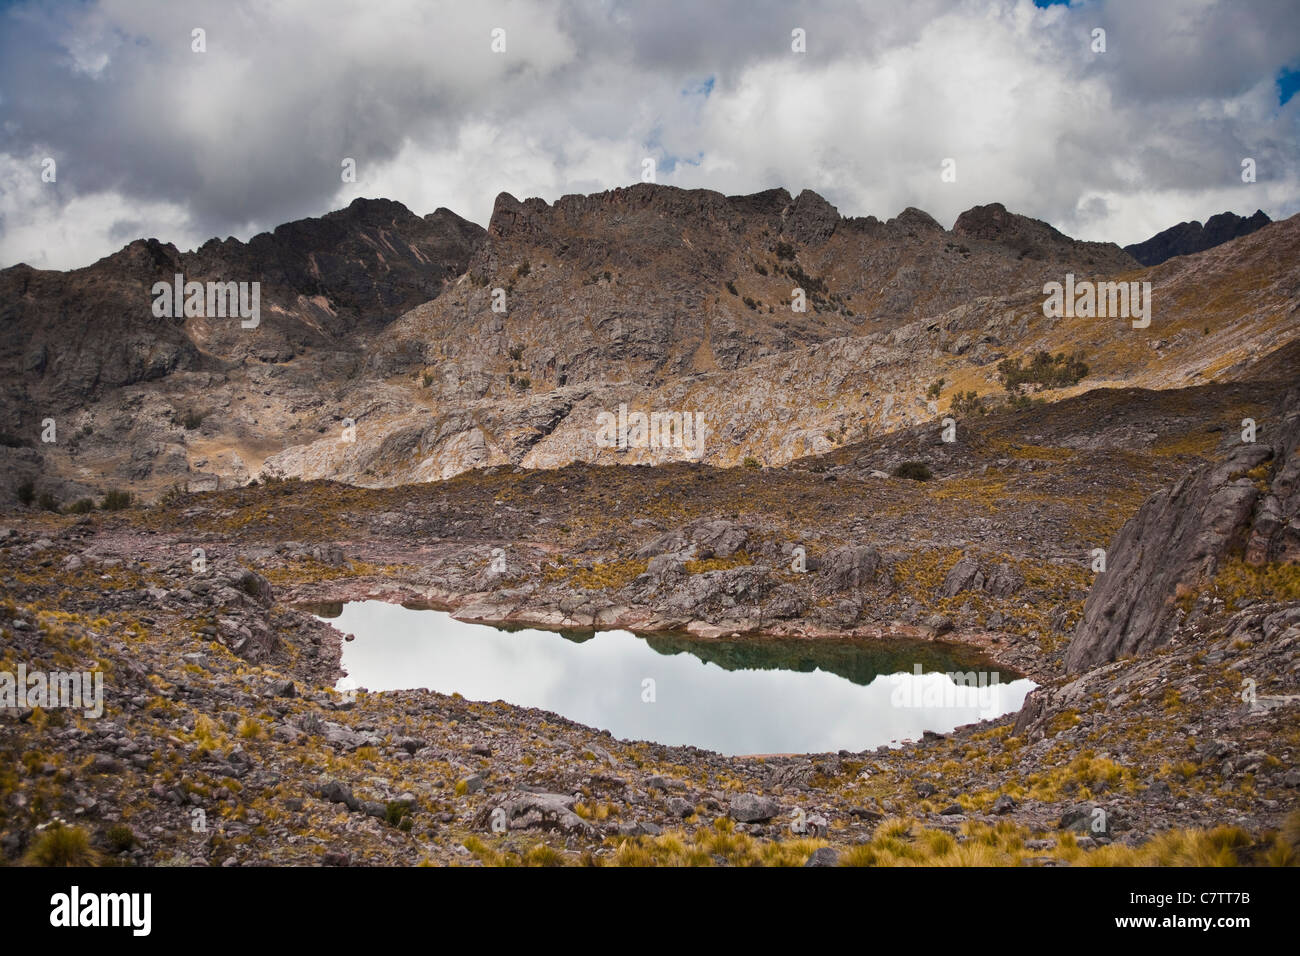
column 68, row 336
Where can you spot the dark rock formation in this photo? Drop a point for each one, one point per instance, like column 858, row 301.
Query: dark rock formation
column 1188, row 237
column 1034, row 239
column 69, row 336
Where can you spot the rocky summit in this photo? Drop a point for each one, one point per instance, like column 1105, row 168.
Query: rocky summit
column 705, row 419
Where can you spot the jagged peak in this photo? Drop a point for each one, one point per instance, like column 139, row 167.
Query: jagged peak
column 810, row 219
column 1187, row 238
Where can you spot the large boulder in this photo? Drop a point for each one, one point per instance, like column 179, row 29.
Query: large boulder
column 965, row 574
column 750, row 808
column 1180, row 537
column 256, row 587
column 525, row 811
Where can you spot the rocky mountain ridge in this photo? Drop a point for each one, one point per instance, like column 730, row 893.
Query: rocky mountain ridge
column 648, row 297
column 1187, row 238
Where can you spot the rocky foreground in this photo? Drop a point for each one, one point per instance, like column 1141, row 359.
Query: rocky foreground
column 1165, row 730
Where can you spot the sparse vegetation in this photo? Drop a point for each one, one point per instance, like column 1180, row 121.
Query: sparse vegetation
column 914, row 471
column 968, row 405
column 1043, row 371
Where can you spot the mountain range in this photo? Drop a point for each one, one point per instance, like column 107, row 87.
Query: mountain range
column 394, row 348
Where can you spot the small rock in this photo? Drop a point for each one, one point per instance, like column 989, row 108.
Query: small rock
column 680, row 807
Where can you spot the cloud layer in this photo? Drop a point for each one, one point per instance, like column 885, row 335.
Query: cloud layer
column 152, row 138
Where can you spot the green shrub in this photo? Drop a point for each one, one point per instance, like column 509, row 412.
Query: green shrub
column 750, row 461
column 119, row 838
column 191, row 420
column 1044, row 371
column 116, row 500
column 914, row 470
column 47, row 501
column 935, row 389
column 968, row 404
column 26, row 493
column 80, row 507
column 731, row 287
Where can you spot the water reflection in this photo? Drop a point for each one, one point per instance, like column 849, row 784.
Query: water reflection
column 732, row 696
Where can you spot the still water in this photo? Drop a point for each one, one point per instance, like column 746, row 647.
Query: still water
column 734, row 696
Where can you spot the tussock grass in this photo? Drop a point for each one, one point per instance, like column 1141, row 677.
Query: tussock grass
column 62, row 845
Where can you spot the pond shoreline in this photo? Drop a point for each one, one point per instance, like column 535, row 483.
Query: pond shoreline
column 480, row 608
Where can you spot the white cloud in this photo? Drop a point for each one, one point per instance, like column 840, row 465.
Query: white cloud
column 251, row 134
column 49, row 229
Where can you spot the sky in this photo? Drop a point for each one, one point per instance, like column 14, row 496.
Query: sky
column 151, row 137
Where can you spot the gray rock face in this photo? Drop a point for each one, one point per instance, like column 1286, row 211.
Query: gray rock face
column 1003, row 581
column 1179, row 538
column 719, row 539
column 965, row 574
column 741, row 587
column 850, row 567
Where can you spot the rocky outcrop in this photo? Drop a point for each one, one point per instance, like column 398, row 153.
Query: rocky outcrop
column 72, row 335
column 1001, row 581
column 851, row 567
column 1245, row 505
column 1189, row 237
column 1035, row 239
